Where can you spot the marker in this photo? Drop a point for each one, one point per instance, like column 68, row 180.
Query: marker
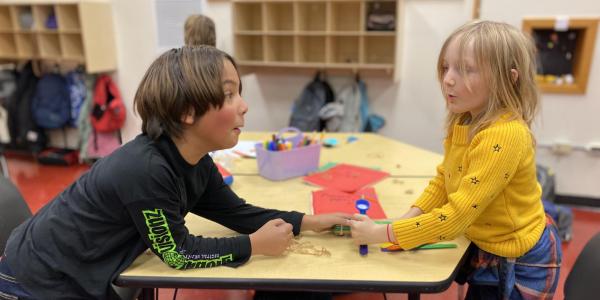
column 363, row 205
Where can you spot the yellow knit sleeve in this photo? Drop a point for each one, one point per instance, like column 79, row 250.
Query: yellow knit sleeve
column 434, row 194
column 493, row 156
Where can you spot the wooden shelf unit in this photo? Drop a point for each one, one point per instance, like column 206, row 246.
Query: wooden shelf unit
column 323, row 34
column 80, row 31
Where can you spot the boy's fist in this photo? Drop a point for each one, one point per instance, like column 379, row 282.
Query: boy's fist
column 272, row 238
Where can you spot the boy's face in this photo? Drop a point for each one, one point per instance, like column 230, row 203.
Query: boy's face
column 220, row 129
column 464, row 92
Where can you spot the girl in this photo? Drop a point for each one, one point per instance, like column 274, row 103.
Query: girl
column 486, row 186
column 137, row 198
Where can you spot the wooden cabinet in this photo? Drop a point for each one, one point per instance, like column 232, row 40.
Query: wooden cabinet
column 77, row 31
column 324, row 34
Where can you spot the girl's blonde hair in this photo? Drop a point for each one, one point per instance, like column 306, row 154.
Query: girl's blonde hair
column 199, row 30
column 498, row 48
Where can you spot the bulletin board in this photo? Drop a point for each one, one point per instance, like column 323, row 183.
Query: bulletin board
column 565, row 48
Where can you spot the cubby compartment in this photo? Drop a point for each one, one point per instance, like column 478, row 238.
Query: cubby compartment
column 329, row 34
column 49, row 44
column 72, row 46
column 249, row 47
column 380, row 16
column 44, row 17
column 68, row 17
column 248, row 16
column 344, row 49
column 379, row 49
column 26, row 46
column 279, row 16
column 312, row 16
column 346, row 16
column 280, row 48
column 22, row 17
column 311, row 49
column 6, row 22
column 8, row 47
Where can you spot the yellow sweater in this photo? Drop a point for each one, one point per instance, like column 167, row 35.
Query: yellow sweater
column 486, row 189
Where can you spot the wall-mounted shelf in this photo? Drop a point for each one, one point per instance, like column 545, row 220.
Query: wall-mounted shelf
column 80, row 31
column 324, row 34
column 565, row 48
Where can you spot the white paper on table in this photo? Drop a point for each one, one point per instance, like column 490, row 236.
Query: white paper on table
column 245, row 148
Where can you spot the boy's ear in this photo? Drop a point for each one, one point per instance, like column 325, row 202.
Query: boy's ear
column 188, row 118
column 514, row 74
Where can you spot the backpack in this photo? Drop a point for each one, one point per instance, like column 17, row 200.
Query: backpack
column 343, row 115
column 108, row 109
column 562, row 217
column 547, row 180
column 8, row 84
column 77, row 92
column 305, row 112
column 51, row 103
column 24, row 132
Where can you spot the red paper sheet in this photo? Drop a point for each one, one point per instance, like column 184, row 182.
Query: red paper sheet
column 330, row 201
column 346, row 178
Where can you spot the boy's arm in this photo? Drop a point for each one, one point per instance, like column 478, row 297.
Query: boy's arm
column 220, row 204
column 162, row 228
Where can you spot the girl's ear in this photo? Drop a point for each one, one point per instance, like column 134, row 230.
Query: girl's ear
column 188, row 118
column 514, row 74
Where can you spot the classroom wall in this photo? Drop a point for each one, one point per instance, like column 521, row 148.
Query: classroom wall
column 412, row 106
column 572, row 118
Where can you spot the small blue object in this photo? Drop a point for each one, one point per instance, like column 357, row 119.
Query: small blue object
column 228, row 180
column 363, row 205
column 351, row 139
column 330, row 142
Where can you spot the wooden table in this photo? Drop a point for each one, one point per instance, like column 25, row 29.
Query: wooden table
column 369, row 150
column 413, row 272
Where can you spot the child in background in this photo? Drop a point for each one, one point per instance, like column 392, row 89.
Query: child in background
column 137, row 197
column 199, row 30
column 486, row 186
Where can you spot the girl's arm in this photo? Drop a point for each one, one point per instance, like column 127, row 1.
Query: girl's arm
column 412, row 212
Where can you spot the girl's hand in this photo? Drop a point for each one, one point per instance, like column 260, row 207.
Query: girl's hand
column 323, row 222
column 366, row 231
column 272, row 238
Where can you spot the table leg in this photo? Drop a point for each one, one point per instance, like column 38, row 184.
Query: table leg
column 414, row 296
column 147, row 294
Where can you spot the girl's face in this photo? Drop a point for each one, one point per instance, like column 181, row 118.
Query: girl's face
column 464, row 92
column 220, row 129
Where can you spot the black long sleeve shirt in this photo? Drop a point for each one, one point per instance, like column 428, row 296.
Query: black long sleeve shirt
column 134, row 199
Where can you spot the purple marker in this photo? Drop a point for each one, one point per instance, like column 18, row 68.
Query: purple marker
column 363, row 205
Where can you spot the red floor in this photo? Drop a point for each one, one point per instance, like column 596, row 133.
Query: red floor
column 40, row 183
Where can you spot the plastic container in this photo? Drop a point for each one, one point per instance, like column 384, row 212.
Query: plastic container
column 285, row 164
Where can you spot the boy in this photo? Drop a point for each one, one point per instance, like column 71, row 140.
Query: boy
column 137, row 198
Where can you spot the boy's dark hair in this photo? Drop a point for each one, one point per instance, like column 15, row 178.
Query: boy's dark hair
column 199, row 30
column 180, row 81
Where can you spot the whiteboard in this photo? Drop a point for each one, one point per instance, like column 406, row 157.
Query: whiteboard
column 170, row 18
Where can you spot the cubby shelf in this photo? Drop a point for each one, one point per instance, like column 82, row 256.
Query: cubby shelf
column 78, row 30
column 324, row 34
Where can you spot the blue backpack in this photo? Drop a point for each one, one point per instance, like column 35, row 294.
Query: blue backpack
column 51, row 103
column 78, row 93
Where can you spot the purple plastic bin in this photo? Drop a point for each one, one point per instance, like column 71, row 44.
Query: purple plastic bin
column 281, row 165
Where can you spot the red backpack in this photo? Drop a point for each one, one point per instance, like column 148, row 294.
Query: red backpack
column 108, row 111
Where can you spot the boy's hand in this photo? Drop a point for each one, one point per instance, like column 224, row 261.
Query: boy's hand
column 272, row 238
column 366, row 231
column 323, row 222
